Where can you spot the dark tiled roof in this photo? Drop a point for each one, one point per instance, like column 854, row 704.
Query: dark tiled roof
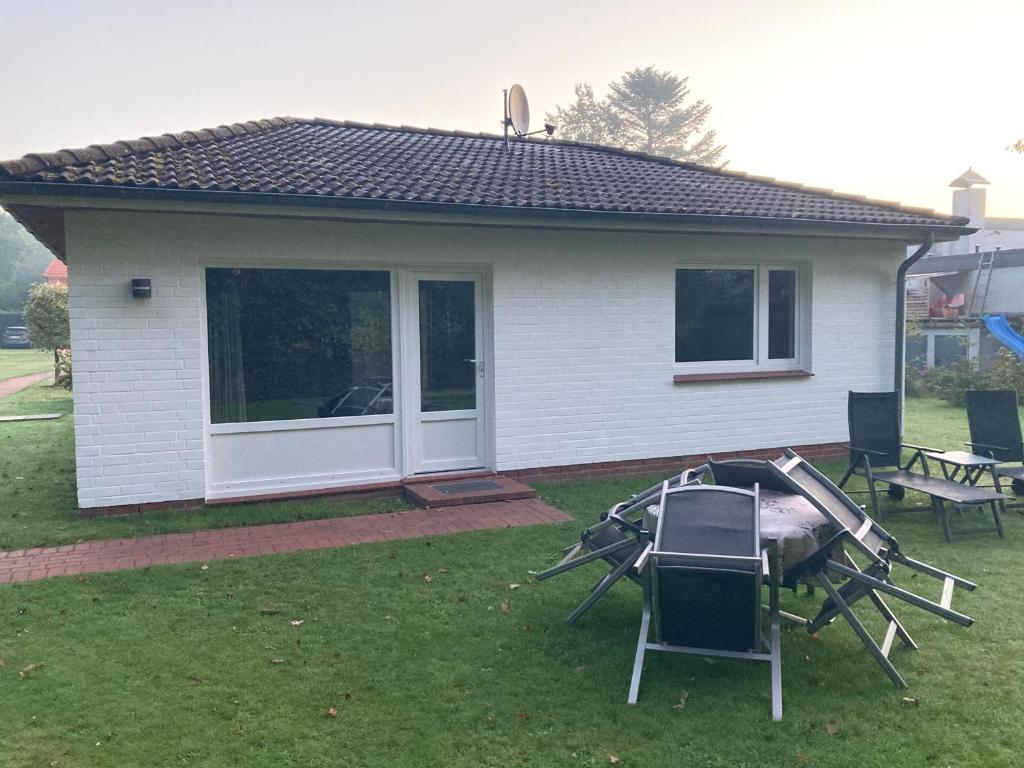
column 354, row 161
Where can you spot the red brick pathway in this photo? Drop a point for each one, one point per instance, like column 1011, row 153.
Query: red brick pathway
column 18, row 383
column 118, row 554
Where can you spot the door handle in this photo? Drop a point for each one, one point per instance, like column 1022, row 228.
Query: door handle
column 471, row 360
column 476, row 361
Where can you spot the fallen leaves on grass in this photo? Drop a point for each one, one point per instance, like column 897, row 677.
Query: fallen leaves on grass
column 428, row 578
column 278, row 661
column 909, row 702
column 332, row 712
column 196, row 681
column 522, row 716
column 513, row 586
column 204, row 567
column 31, row 669
column 504, row 607
column 613, row 759
column 831, row 727
column 492, row 722
column 296, row 622
column 3, row 663
column 442, row 570
column 683, row 696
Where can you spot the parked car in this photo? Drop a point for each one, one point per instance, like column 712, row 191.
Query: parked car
column 15, row 337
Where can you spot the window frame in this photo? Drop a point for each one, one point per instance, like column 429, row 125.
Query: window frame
column 760, row 362
column 289, row 425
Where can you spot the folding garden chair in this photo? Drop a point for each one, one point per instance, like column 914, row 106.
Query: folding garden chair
column 832, row 564
column 875, row 454
column 617, row 539
column 994, row 420
column 703, row 576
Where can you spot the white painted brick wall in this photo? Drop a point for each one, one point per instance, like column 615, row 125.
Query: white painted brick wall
column 137, row 394
column 583, row 339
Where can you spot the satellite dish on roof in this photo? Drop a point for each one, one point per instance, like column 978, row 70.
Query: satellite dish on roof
column 517, row 114
column 518, row 110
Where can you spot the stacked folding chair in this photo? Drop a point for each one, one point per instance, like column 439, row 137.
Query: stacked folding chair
column 617, row 540
column 703, row 576
column 832, row 563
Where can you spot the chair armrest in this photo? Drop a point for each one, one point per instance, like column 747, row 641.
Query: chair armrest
column 628, row 524
column 920, row 448
column 868, row 451
column 641, row 562
column 694, row 475
column 986, row 445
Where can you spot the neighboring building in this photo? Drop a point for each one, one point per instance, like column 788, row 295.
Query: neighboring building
column 992, row 232
column 960, row 280
column 56, row 272
column 336, row 305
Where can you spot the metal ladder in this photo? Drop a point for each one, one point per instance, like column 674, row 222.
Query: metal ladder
column 986, row 262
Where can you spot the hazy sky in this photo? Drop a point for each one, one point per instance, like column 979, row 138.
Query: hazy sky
column 888, row 98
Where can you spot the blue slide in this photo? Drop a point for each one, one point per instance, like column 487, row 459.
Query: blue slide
column 1000, row 327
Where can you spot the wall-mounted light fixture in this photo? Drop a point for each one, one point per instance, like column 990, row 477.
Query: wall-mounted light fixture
column 142, row 287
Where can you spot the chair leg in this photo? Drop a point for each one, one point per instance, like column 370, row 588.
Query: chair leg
column 600, row 588
column 776, row 640
column 848, row 475
column 873, row 494
column 641, row 649
column 940, row 509
column 889, row 616
column 776, row 671
column 862, row 633
column 995, row 516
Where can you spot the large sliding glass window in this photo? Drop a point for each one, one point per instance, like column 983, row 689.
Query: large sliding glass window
column 298, row 343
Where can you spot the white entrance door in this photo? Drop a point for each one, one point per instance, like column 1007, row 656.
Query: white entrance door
column 444, row 367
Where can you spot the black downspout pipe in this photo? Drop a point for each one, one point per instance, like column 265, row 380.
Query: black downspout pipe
column 901, row 319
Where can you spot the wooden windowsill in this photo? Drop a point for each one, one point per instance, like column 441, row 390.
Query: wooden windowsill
column 684, row 378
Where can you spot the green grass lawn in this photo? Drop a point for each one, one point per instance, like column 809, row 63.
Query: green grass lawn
column 179, row 666
column 21, row 362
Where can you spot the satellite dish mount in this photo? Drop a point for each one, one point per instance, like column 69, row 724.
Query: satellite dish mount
column 517, row 114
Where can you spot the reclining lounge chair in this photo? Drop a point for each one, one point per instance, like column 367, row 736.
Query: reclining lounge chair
column 994, row 420
column 832, row 563
column 875, row 454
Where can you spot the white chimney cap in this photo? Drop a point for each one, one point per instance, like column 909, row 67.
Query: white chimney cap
column 968, row 179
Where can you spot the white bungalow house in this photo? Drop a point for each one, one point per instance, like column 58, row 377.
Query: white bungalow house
column 295, row 305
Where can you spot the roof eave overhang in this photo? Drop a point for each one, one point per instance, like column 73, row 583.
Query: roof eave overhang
column 52, row 195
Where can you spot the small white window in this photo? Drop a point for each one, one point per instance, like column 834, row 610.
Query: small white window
column 742, row 318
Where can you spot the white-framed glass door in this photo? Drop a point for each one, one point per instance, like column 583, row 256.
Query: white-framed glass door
column 444, row 371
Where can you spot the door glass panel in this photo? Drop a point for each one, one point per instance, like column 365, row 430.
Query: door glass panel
column 447, row 345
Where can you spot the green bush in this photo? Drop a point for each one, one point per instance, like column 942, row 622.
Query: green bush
column 950, row 382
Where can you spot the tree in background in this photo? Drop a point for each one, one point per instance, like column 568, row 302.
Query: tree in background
column 22, row 261
column 647, row 111
column 46, row 315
